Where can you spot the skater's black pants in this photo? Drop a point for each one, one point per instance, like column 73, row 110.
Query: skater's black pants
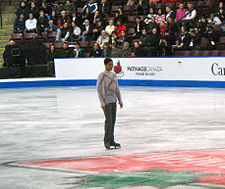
column 110, row 119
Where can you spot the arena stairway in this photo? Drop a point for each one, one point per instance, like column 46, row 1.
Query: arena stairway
column 8, row 13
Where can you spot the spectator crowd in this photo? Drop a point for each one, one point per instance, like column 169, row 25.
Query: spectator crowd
column 145, row 28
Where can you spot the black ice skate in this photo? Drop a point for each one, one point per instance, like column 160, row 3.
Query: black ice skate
column 115, row 145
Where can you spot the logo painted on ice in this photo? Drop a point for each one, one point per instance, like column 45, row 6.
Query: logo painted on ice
column 118, row 70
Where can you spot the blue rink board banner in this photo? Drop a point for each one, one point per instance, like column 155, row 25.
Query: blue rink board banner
column 162, row 72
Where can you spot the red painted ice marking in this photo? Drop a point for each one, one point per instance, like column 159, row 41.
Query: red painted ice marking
column 205, row 162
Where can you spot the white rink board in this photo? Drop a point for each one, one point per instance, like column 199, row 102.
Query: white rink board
column 199, row 69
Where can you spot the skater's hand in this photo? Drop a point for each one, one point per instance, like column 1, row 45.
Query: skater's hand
column 121, row 105
column 104, row 107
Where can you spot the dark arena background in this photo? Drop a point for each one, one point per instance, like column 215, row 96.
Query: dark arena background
column 169, row 59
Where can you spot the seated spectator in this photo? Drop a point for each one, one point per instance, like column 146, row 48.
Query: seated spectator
column 138, row 26
column 152, row 24
column 97, row 17
column 75, row 33
column 142, row 7
column 113, row 38
column 57, row 7
column 153, row 43
column 160, row 17
column 65, row 52
column 78, row 52
column 69, row 7
column 137, row 51
column 23, row 9
column 115, row 51
column 152, row 2
column 144, row 40
column 19, row 25
column 170, row 13
column 98, row 28
column 119, row 15
column 50, row 56
column 63, row 19
column 92, row 6
column 123, row 38
column 184, row 39
column 87, row 30
column 46, row 9
column 63, row 33
column 87, row 15
column 181, row 13
column 196, row 38
column 42, row 23
column 34, row 9
column 31, row 24
column 110, row 28
column 106, row 52
column 171, row 31
column 163, row 28
column 11, row 55
column 189, row 20
column 119, row 27
column 102, row 39
column 53, row 21
column 125, row 51
column 96, row 51
column 151, row 14
column 104, row 8
column 131, row 3
column 219, row 15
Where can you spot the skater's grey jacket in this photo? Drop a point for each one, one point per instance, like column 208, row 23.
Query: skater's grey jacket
column 108, row 88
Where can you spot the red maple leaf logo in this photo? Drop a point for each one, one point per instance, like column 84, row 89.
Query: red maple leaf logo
column 118, row 68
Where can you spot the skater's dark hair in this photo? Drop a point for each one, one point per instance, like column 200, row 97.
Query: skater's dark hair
column 107, row 60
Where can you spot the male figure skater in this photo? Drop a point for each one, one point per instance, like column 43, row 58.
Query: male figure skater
column 108, row 93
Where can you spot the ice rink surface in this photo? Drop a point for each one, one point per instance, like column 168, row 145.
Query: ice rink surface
column 67, row 122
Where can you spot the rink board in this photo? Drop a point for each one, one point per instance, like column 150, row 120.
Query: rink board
column 157, row 72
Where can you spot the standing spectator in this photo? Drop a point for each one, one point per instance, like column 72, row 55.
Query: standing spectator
column 181, row 13
column 53, row 21
column 75, row 32
column 165, row 48
column 115, row 50
column 23, row 9
column 144, row 40
column 69, row 7
column 92, row 6
column 65, row 52
column 31, row 24
column 110, row 28
column 153, row 43
column 35, row 10
column 105, row 8
column 138, row 26
column 196, row 38
column 152, row 24
column 42, row 23
column 125, row 51
column 160, row 17
column 50, row 56
column 102, row 39
column 63, row 33
column 119, row 27
column 170, row 13
column 106, row 50
column 171, row 31
column 87, row 30
column 19, row 25
column 78, row 52
column 96, row 51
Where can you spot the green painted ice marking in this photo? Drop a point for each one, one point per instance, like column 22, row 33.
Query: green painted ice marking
column 158, row 178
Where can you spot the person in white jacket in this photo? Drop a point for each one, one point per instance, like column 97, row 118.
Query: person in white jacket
column 31, row 24
column 103, row 38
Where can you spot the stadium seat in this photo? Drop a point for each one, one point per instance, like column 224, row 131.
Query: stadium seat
column 29, row 37
column 17, row 37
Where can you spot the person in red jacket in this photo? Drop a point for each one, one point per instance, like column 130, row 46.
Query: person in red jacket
column 119, row 28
